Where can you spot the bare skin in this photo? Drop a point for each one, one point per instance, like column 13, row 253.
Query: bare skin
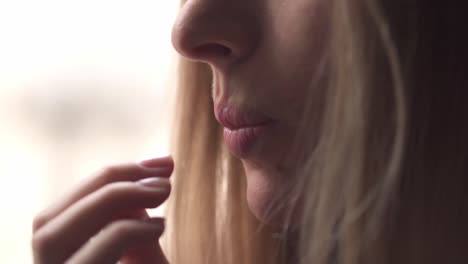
column 103, row 219
column 275, row 46
column 264, row 54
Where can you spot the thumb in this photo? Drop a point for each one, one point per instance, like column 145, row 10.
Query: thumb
column 146, row 254
column 150, row 253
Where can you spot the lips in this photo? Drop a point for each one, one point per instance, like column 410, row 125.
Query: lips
column 242, row 129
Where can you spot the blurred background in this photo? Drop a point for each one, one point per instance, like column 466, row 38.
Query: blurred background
column 83, row 84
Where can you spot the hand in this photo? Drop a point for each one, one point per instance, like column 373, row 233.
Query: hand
column 103, row 220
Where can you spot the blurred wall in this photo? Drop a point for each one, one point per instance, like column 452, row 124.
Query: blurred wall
column 82, row 84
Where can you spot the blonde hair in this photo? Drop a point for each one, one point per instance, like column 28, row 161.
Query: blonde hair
column 386, row 182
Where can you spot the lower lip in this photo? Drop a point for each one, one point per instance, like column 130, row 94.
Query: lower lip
column 241, row 141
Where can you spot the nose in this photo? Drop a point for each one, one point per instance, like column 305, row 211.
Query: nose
column 218, row 32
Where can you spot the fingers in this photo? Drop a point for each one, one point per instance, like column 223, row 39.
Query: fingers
column 67, row 232
column 150, row 253
column 160, row 167
column 114, row 240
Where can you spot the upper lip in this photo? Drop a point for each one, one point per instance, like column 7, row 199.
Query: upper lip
column 233, row 118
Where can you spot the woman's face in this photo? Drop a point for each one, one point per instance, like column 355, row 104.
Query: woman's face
column 264, row 55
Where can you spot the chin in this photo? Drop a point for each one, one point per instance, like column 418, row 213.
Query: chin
column 262, row 212
column 265, row 196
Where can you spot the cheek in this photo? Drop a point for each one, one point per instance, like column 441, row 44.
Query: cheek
column 294, row 40
column 298, row 28
column 298, row 36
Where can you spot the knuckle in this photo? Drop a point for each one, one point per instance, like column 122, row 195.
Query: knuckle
column 108, row 172
column 118, row 190
column 41, row 219
column 38, row 221
column 40, row 243
column 111, row 173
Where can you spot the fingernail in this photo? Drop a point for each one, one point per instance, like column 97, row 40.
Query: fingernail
column 156, row 182
column 157, row 162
